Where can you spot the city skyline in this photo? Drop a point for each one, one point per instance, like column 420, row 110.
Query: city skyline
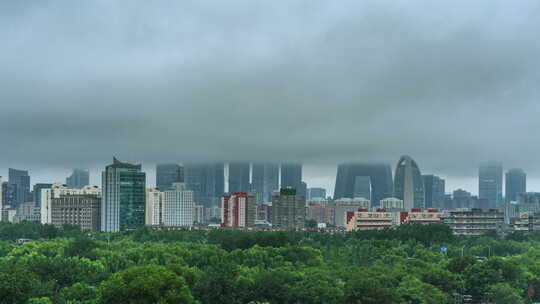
column 323, row 176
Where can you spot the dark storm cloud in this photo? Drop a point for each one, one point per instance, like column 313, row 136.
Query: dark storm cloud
column 449, row 83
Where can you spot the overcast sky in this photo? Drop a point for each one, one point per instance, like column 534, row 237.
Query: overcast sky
column 450, row 83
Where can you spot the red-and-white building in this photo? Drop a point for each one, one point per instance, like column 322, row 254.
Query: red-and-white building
column 363, row 219
column 419, row 216
column 238, row 210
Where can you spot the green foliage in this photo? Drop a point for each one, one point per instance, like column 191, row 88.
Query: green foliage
column 146, row 284
column 397, row 265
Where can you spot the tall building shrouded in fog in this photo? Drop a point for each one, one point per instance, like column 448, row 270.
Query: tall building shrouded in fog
column 207, row 181
column 78, row 179
column 167, row 175
column 291, row 177
column 239, row 177
column 124, row 194
column 380, row 179
column 315, row 193
column 19, row 182
column 490, row 175
column 408, row 183
column 265, row 180
column 434, row 188
column 516, row 183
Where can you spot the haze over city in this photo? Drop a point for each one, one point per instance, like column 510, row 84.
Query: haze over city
column 319, row 83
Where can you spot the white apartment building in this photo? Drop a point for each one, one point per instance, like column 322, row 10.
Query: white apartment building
column 178, row 206
column 154, row 207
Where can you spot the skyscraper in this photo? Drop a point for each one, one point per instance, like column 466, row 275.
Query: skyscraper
column 490, row 175
column 380, row 178
column 239, row 177
column 434, row 187
column 362, row 187
column 265, row 180
column 20, row 182
column 167, row 175
column 408, row 183
column 207, row 182
column 516, row 183
column 78, row 179
column 291, row 177
column 123, row 203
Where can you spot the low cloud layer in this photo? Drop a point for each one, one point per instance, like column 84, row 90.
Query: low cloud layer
column 450, row 84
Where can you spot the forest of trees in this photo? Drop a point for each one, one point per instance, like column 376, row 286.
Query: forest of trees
column 402, row 265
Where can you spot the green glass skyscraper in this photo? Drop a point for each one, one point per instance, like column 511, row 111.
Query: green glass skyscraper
column 123, row 200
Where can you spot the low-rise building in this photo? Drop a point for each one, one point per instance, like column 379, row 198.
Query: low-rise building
column 342, row 206
column 78, row 210
column 474, row 221
column 419, row 216
column 363, row 219
column 57, row 190
column 392, row 203
column 27, row 212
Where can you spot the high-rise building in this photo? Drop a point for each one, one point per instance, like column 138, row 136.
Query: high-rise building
column 178, row 206
column 238, row 210
column 288, row 209
column 36, row 192
column 154, row 207
column 380, row 178
column 490, row 175
column 78, row 210
column 315, row 193
column 291, row 177
column 408, row 183
column 78, row 178
column 516, row 183
column 58, row 190
column 20, row 181
column 2, row 187
column 167, row 175
column 124, row 189
column 207, row 182
column 434, row 188
column 239, row 177
column 265, row 180
column 362, row 187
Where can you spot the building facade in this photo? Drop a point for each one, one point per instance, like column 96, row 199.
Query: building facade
column 207, row 181
column 19, row 180
column 408, row 183
column 265, row 180
column 392, row 203
column 434, row 188
column 312, row 193
column 167, row 175
column 474, row 221
column 57, row 190
column 363, row 219
column 380, row 176
column 124, row 194
column 288, row 209
column 291, row 177
column 78, row 178
column 154, row 207
column 239, row 177
column 36, row 192
column 490, row 175
column 516, row 183
column 238, row 210
column 79, row 210
column 178, row 206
